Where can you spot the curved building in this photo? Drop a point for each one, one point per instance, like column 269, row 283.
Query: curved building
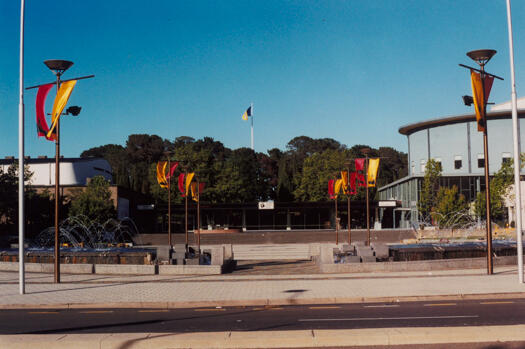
column 455, row 143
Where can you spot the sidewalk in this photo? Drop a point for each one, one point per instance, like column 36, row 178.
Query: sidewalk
column 158, row 291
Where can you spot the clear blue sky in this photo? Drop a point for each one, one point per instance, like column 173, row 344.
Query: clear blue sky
column 354, row 71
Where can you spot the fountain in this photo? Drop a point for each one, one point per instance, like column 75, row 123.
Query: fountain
column 86, row 241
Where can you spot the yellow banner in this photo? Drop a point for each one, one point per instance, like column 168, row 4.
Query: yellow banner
column 344, row 177
column 194, row 191
column 60, row 103
column 189, row 178
column 337, row 187
column 479, row 100
column 161, row 174
column 373, row 166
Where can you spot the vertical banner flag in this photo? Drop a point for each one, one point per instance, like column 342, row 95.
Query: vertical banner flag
column 161, row 177
column 60, row 102
column 480, row 98
column 189, row 178
column 247, row 113
column 337, row 187
column 194, row 194
column 41, row 123
column 353, row 189
column 344, row 177
column 181, row 184
column 331, row 188
column 360, row 164
column 172, row 169
column 373, row 166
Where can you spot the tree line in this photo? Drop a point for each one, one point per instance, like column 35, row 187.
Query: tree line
column 299, row 173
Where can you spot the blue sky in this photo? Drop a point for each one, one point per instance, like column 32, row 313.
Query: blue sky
column 354, row 71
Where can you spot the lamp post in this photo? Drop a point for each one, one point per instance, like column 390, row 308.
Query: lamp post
column 168, row 155
column 481, row 57
column 58, row 67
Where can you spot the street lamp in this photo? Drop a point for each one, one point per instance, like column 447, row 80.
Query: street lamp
column 58, row 67
column 482, row 57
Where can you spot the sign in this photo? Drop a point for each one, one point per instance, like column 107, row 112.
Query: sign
column 387, row 203
column 145, row 207
column 266, row 205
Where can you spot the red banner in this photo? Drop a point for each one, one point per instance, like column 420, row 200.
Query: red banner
column 172, row 169
column 360, row 164
column 41, row 123
column 181, row 184
column 331, row 183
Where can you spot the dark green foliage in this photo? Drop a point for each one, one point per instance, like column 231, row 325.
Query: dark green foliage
column 94, row 202
column 300, row 173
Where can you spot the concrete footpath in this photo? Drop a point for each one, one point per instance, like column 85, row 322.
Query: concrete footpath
column 157, row 291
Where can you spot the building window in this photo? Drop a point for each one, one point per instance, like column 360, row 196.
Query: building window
column 505, row 158
column 481, row 161
column 423, row 165
column 458, row 162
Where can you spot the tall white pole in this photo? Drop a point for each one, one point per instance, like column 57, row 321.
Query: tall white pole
column 21, row 218
column 251, row 108
column 516, row 138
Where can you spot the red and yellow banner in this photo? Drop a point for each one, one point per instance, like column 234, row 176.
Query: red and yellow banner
column 60, row 103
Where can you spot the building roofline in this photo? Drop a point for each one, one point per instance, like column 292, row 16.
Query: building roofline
column 449, row 120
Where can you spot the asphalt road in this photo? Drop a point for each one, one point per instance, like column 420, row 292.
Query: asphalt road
column 341, row 316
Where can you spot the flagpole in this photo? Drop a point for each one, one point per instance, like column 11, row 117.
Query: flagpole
column 367, row 203
column 198, row 220
column 251, row 108
column 517, row 150
column 348, row 207
column 21, row 217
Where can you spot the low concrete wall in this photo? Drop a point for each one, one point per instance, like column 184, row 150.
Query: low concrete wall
column 189, row 269
column 125, row 269
column 442, row 264
column 48, row 268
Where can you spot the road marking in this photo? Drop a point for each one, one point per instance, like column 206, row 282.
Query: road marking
column 393, row 318
column 497, row 302
column 382, row 306
column 258, row 309
column 96, row 312
column 439, row 304
column 154, row 311
column 211, row 309
column 42, row 312
column 274, row 308
column 326, row 307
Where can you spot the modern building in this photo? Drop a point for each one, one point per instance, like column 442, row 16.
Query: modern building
column 457, row 145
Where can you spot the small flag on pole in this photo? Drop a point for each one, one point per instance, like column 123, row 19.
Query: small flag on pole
column 247, row 113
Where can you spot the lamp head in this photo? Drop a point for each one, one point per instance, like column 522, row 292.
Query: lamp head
column 58, row 66
column 73, row 110
column 481, row 56
column 468, row 100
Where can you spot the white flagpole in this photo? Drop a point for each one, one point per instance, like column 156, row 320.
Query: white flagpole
column 21, row 218
column 251, row 108
column 516, row 138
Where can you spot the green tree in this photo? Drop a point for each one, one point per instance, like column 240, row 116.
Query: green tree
column 428, row 196
column 94, row 202
column 499, row 185
column 451, row 208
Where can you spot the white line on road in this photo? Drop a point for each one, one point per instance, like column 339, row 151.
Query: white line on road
column 382, row 306
column 394, row 318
